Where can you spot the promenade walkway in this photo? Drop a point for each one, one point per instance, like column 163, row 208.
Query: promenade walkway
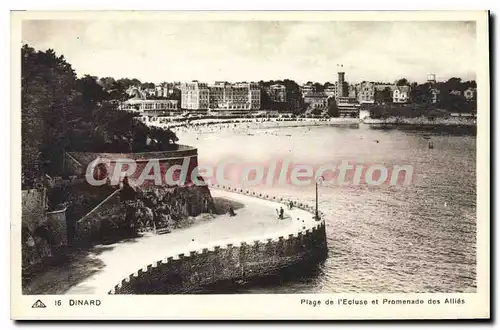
column 257, row 220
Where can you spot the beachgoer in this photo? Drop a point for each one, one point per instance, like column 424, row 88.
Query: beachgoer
column 282, row 212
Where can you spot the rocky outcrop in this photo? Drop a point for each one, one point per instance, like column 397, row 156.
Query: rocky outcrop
column 145, row 209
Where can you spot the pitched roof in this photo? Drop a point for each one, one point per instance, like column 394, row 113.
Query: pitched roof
column 404, row 88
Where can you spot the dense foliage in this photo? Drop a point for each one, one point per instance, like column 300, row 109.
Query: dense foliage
column 450, row 95
column 61, row 112
column 294, row 101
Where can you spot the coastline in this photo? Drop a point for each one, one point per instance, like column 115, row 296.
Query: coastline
column 101, row 268
column 301, row 238
column 421, row 121
column 216, row 125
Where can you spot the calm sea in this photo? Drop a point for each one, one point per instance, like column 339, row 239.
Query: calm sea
column 415, row 238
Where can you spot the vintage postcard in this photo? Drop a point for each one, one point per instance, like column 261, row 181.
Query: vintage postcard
column 250, row 165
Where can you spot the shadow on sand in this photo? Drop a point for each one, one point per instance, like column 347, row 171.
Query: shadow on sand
column 64, row 269
column 222, row 205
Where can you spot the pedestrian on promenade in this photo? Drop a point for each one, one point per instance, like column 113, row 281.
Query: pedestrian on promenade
column 282, row 213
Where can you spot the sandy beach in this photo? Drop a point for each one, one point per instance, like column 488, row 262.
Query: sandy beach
column 203, row 126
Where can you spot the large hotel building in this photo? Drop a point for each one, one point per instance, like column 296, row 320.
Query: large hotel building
column 194, row 96
column 220, row 96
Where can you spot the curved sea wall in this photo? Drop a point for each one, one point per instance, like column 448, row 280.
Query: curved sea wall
column 182, row 273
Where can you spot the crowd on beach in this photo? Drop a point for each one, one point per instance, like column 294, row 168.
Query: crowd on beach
column 201, row 126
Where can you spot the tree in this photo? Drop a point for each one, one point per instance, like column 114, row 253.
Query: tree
column 402, row 82
column 118, row 92
column 421, row 94
column 126, row 82
column 48, row 95
column 384, row 95
column 318, row 87
column 107, row 83
column 90, row 91
column 62, row 113
column 333, row 110
column 176, row 95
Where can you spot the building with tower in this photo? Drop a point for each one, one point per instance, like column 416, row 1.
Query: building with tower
column 341, row 85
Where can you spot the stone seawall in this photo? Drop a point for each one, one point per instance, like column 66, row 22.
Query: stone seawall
column 77, row 163
column 182, row 273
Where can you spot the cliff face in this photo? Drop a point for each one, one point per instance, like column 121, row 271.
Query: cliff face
column 166, row 207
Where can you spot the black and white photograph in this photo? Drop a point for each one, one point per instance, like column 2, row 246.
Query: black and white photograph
column 243, row 155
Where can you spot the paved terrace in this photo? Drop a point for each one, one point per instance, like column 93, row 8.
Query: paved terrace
column 257, row 220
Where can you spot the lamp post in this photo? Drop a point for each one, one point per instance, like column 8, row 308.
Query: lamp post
column 318, row 181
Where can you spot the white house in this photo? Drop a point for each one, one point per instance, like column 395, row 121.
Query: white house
column 401, row 94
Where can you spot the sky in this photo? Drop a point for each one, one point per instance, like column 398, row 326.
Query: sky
column 157, row 51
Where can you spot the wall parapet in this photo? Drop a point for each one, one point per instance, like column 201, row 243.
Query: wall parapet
column 265, row 196
column 236, row 260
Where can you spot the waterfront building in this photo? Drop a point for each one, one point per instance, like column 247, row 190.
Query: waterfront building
column 384, row 92
column 470, row 94
column 150, row 92
column 401, row 94
column 164, row 89
column 136, row 92
column 150, row 107
column 238, row 96
column 435, row 95
column 353, row 92
column 217, row 94
column 159, row 90
column 370, row 92
column 366, row 92
column 194, row 96
column 307, row 89
column 347, row 106
column 316, row 100
column 277, row 92
column 330, row 90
